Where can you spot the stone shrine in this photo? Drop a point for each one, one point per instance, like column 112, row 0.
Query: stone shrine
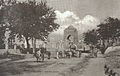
column 70, row 35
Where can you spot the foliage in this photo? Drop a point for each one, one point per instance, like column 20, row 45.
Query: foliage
column 109, row 29
column 90, row 37
column 31, row 20
column 112, row 59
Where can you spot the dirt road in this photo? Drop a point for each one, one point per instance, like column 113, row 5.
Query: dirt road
column 52, row 67
column 95, row 67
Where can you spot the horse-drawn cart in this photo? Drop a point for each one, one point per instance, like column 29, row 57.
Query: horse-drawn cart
column 69, row 53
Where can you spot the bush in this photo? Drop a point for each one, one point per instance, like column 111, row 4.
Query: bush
column 4, row 55
column 30, row 50
column 113, row 59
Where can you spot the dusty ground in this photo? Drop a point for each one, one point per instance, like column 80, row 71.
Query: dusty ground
column 95, row 67
column 52, row 67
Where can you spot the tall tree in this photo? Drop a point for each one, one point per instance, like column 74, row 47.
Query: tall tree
column 31, row 20
column 4, row 5
column 109, row 29
column 90, row 37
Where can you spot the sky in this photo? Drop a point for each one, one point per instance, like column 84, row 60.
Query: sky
column 98, row 8
column 83, row 14
column 68, row 18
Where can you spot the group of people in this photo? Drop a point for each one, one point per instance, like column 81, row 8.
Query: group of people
column 41, row 52
column 70, row 52
column 94, row 49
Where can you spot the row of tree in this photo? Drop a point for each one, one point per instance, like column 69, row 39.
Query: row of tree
column 107, row 32
column 28, row 19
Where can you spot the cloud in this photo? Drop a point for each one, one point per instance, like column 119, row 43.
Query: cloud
column 65, row 17
column 69, row 18
column 87, row 23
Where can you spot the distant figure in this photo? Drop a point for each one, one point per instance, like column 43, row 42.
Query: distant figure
column 95, row 52
column 105, row 66
column 59, row 54
column 83, row 48
column 73, row 48
column 102, row 48
column 45, row 52
column 58, row 50
column 38, row 55
column 110, row 73
column 92, row 49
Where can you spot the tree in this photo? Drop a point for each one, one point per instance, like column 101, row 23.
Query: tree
column 109, row 29
column 31, row 20
column 1, row 29
column 90, row 37
column 2, row 37
column 4, row 5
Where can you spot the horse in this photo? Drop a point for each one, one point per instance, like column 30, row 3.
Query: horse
column 39, row 56
column 68, row 54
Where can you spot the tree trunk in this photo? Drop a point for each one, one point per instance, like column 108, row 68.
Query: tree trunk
column 27, row 41
column 6, row 45
column 34, row 44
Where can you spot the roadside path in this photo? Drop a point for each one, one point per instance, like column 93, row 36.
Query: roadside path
column 95, row 67
column 50, row 67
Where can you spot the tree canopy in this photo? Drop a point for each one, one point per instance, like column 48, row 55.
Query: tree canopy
column 31, row 20
column 107, row 31
column 110, row 28
column 90, row 37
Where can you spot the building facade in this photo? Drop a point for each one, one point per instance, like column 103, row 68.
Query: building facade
column 70, row 35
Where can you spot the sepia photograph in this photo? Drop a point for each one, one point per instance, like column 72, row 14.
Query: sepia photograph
column 59, row 37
